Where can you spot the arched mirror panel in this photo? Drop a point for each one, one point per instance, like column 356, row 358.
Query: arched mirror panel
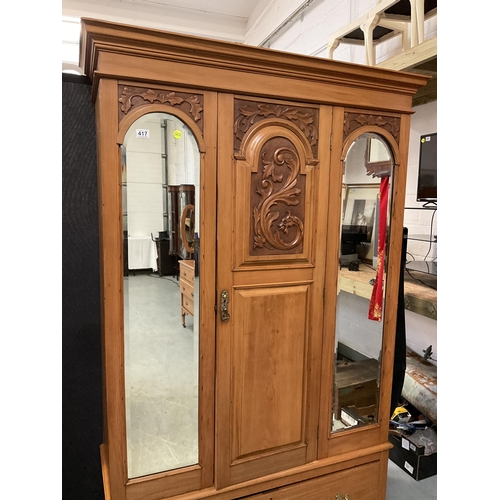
column 366, row 199
column 161, row 199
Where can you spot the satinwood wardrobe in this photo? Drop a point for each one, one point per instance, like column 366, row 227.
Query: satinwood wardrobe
column 293, row 159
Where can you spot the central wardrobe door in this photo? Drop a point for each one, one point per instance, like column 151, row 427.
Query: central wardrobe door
column 273, row 168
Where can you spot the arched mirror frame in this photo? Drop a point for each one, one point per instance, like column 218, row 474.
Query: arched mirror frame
column 114, row 451
column 332, row 443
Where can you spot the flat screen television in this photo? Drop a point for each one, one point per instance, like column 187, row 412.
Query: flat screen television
column 427, row 169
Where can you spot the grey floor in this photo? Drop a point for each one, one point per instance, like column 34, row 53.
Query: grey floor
column 162, row 391
column 401, row 486
column 161, row 376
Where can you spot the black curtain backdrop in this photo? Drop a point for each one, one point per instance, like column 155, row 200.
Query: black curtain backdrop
column 81, row 330
column 400, row 346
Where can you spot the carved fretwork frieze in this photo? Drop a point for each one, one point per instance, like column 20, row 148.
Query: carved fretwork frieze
column 247, row 113
column 131, row 97
column 353, row 121
column 277, row 200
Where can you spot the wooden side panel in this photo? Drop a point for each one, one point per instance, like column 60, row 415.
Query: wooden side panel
column 269, row 359
column 111, row 257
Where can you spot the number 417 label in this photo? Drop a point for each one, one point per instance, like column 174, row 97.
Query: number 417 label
column 142, row 133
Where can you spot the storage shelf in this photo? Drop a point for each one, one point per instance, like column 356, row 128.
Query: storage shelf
column 423, row 237
column 422, row 266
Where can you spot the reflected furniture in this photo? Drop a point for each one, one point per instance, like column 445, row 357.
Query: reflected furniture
column 179, row 197
column 356, row 384
column 174, row 218
column 167, row 263
column 186, row 284
column 273, row 130
column 142, row 253
column 418, row 297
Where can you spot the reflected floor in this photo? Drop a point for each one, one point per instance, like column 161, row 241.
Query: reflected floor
column 161, row 383
column 161, row 355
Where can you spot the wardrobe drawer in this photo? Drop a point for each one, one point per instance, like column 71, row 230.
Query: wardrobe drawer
column 186, row 270
column 187, row 288
column 357, row 483
column 188, row 304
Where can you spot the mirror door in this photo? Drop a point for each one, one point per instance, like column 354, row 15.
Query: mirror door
column 361, row 283
column 358, row 257
column 163, row 377
column 161, row 346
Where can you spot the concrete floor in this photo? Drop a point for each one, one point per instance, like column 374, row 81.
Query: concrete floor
column 162, row 386
column 161, row 381
column 401, row 486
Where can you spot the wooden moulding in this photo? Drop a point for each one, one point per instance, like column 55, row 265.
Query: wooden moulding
column 105, row 49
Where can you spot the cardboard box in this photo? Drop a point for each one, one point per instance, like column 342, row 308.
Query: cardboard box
column 415, row 453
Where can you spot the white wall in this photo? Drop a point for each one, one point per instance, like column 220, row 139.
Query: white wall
column 354, row 329
column 424, row 121
column 144, row 178
column 183, row 159
column 309, row 36
column 146, row 170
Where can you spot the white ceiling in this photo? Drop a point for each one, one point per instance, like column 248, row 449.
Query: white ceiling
column 244, row 21
column 236, row 8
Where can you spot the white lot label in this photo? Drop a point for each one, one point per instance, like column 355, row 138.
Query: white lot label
column 142, row 133
column 408, row 467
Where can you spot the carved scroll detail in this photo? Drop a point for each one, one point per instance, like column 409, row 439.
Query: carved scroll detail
column 250, row 112
column 262, row 214
column 352, row 121
column 161, row 96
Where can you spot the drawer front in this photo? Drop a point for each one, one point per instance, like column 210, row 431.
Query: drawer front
column 357, row 483
column 188, row 304
column 187, row 288
column 186, row 270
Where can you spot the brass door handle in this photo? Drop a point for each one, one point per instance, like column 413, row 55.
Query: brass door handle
column 224, row 301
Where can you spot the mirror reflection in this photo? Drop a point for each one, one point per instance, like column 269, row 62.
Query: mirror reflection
column 359, row 326
column 160, row 185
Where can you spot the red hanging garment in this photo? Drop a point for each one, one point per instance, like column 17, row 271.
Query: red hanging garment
column 375, row 308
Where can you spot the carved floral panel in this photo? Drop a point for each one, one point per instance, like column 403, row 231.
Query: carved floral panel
column 247, row 113
column 277, row 200
column 353, row 121
column 132, row 97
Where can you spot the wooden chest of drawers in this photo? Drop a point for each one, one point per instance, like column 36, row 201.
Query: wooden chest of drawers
column 186, row 273
column 356, row 385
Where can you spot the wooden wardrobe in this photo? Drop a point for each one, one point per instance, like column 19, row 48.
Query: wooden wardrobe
column 273, row 131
